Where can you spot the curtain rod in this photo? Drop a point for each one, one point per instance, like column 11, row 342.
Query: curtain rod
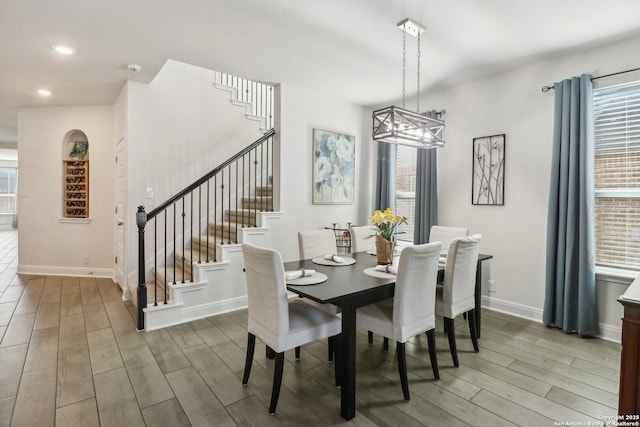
column 548, row 88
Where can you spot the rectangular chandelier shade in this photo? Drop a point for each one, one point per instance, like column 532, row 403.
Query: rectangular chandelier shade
column 396, row 125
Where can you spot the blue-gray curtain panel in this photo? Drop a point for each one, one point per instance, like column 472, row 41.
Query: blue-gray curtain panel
column 570, row 297
column 426, row 209
column 386, row 176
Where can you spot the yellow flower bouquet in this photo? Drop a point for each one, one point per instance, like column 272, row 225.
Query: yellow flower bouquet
column 386, row 223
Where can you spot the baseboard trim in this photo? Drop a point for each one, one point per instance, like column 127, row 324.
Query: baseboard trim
column 607, row 332
column 216, row 307
column 178, row 314
column 49, row 270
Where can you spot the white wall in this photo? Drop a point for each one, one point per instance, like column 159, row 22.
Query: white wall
column 301, row 112
column 512, row 103
column 48, row 245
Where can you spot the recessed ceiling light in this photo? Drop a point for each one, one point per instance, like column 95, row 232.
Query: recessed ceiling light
column 64, row 50
column 134, row 68
column 44, row 92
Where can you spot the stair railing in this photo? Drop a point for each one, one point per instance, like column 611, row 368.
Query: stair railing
column 259, row 95
column 211, row 203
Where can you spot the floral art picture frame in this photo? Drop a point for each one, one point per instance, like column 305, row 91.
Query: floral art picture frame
column 333, row 167
column 488, row 170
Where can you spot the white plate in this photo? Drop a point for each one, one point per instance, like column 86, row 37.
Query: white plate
column 313, row 279
column 345, row 261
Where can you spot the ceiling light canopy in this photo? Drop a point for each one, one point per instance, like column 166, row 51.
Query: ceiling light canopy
column 64, row 50
column 395, row 125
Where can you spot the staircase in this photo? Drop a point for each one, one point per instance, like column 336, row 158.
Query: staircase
column 202, row 247
column 193, row 267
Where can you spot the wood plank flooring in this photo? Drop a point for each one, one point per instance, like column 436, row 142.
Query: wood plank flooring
column 70, row 356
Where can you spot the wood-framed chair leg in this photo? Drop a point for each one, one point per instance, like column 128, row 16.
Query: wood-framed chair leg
column 370, row 337
column 402, row 369
column 251, row 345
column 473, row 330
column 431, row 340
column 385, row 344
column 451, row 332
column 277, row 381
column 297, row 350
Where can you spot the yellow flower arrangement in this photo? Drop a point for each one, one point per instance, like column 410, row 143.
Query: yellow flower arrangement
column 386, row 223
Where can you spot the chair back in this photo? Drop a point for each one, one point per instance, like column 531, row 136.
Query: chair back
column 415, row 290
column 460, row 274
column 360, row 240
column 267, row 294
column 315, row 243
column 445, row 234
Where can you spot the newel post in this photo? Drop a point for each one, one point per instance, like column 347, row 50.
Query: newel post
column 141, row 221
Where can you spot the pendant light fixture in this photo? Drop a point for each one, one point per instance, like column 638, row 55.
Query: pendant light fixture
column 396, row 125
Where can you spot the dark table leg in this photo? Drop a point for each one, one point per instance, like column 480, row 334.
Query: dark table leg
column 346, row 357
column 478, row 296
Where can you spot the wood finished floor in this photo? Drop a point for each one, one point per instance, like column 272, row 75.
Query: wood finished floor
column 70, row 356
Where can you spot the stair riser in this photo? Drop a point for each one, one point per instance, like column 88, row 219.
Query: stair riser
column 240, row 218
column 264, row 191
column 260, row 205
column 229, row 234
column 179, row 278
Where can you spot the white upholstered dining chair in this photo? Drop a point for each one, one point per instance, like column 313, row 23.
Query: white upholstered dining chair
column 445, row 234
column 318, row 243
column 361, row 240
column 280, row 324
column 457, row 293
column 412, row 309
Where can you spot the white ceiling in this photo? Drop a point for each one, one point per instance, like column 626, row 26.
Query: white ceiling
column 349, row 49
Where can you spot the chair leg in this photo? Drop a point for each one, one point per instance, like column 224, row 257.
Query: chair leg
column 452, row 340
column 431, row 340
column 473, row 329
column 370, row 337
column 297, row 350
column 331, row 346
column 385, row 344
column 277, row 381
column 402, row 369
column 251, row 345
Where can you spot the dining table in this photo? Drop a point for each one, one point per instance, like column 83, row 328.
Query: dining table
column 348, row 287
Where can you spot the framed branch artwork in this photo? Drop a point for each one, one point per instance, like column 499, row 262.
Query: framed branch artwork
column 333, row 167
column 488, row 170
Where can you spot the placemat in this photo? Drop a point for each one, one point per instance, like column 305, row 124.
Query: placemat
column 371, row 271
column 321, row 261
column 314, row 279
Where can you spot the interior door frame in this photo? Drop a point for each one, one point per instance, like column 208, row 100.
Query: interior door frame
column 120, row 218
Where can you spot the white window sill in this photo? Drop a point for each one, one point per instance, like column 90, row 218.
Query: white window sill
column 617, row 275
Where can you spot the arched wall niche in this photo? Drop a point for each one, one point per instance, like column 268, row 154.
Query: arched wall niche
column 75, row 175
column 75, row 145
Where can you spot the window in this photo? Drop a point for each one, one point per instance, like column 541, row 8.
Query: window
column 8, row 200
column 406, row 159
column 617, row 175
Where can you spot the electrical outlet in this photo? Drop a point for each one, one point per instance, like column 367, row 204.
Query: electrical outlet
column 492, row 285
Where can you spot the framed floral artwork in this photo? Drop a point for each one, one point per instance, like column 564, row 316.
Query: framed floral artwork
column 333, row 167
column 488, row 170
